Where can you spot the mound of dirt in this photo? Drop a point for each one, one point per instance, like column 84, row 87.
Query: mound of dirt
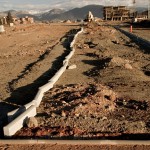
column 87, row 110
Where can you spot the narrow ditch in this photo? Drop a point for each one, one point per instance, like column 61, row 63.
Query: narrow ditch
column 30, row 90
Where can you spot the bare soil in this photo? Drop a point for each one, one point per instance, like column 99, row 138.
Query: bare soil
column 139, row 31
column 106, row 96
column 72, row 147
column 29, row 57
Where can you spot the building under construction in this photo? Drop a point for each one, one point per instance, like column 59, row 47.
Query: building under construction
column 116, row 13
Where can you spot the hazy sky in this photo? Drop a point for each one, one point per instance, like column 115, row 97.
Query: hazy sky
column 64, row 4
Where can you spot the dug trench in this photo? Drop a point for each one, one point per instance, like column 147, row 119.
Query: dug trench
column 24, row 88
column 105, row 97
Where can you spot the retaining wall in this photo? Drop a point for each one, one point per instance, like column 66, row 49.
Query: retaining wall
column 17, row 117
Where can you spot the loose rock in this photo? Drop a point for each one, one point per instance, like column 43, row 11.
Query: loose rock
column 128, row 66
column 72, row 67
column 32, row 122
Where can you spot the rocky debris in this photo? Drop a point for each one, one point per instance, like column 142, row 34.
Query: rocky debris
column 83, row 100
column 116, row 41
column 118, row 61
column 147, row 67
column 53, row 115
column 146, row 70
column 47, row 132
column 133, row 104
column 108, row 106
column 72, row 67
column 63, row 113
column 128, row 66
column 31, row 122
column 130, row 44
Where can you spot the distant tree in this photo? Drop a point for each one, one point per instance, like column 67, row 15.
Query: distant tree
column 9, row 18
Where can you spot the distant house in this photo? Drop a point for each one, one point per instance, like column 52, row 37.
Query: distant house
column 143, row 15
column 140, row 16
column 26, row 20
column 120, row 13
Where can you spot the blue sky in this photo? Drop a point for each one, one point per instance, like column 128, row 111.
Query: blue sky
column 63, row 4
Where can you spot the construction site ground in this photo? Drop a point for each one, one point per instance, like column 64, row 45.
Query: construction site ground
column 105, row 96
column 24, row 62
column 139, row 31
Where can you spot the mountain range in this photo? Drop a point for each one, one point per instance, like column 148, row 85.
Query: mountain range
column 59, row 14
column 75, row 14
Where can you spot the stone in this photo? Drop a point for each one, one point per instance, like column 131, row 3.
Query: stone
column 95, row 41
column 115, row 42
column 63, row 113
column 113, row 97
column 104, row 118
column 53, row 115
column 128, row 66
column 80, row 105
column 72, row 67
column 32, row 122
column 64, row 102
column 77, row 115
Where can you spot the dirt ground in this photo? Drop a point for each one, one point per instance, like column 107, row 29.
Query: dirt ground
column 106, row 96
column 29, row 56
column 139, row 31
column 72, row 147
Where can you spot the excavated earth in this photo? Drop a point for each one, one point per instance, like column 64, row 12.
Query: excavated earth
column 29, row 56
column 106, row 96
